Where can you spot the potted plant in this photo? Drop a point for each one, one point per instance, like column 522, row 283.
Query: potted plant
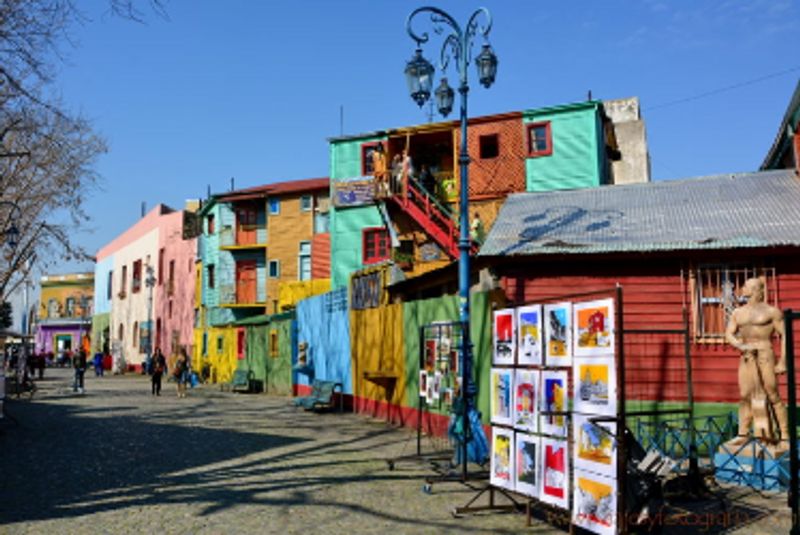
column 403, row 260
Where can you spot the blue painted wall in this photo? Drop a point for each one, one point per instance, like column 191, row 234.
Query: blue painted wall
column 323, row 321
column 102, row 304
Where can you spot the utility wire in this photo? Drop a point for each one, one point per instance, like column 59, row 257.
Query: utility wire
column 723, row 89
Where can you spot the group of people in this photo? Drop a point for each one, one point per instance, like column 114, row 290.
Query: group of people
column 156, row 366
column 394, row 180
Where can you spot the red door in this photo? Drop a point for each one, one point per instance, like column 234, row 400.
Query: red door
column 245, row 226
column 240, row 344
column 246, row 282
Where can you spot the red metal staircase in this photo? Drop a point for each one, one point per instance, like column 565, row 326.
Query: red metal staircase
column 435, row 219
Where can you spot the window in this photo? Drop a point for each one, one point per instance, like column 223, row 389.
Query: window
column 274, row 206
column 321, row 222
column 274, row 269
column 540, row 140
column 123, row 282
column 70, row 307
column 366, row 158
column 246, row 218
column 304, row 261
column 135, row 333
column 489, row 146
column 210, row 224
column 717, row 291
column 110, row 284
column 211, row 281
column 220, row 344
column 121, row 332
column 136, row 278
column 171, row 279
column 376, row 245
column 160, row 266
column 273, row 343
column 169, row 309
column 306, row 203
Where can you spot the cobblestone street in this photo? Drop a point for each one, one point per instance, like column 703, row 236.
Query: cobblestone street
column 117, row 460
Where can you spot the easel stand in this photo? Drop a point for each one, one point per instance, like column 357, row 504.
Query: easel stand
column 469, row 508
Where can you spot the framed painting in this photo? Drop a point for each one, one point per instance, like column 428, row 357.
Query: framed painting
column 594, row 504
column 437, row 384
column 423, row 384
column 554, row 472
column 594, row 328
column 529, row 327
column 557, row 320
column 526, row 388
column 504, row 336
column 501, row 391
column 595, row 381
column 526, row 464
column 595, row 447
column 553, row 397
column 502, row 459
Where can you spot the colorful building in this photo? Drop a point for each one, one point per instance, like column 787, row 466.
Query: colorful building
column 64, row 318
column 408, row 214
column 145, row 278
column 253, row 241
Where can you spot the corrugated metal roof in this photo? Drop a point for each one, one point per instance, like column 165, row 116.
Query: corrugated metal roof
column 715, row 212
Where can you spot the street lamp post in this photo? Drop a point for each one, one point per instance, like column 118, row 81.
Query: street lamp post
column 10, row 231
column 419, row 73
column 150, row 282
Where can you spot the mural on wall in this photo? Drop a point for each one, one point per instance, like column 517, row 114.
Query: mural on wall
column 353, row 192
column 529, row 324
column 430, row 252
column 594, row 328
column 557, row 319
column 502, row 458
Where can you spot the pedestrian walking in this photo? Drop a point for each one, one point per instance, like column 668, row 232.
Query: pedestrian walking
column 159, row 369
column 181, row 373
column 79, row 364
column 98, row 364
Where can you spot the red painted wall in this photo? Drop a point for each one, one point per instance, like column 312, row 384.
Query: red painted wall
column 654, row 293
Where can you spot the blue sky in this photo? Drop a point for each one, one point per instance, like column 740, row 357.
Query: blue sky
column 252, row 90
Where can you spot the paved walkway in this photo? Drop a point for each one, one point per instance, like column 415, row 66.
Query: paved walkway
column 117, row 460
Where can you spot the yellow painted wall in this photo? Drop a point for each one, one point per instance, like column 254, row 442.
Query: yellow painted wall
column 289, row 293
column 60, row 290
column 376, row 341
column 222, row 362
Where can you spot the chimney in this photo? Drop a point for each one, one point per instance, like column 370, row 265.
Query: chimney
column 144, row 208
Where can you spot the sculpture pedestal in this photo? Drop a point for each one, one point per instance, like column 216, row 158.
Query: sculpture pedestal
column 753, row 463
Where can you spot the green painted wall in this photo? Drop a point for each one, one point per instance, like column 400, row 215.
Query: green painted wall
column 578, row 158
column 256, row 352
column 100, row 322
column 279, row 368
column 418, row 313
column 346, row 223
column 346, row 241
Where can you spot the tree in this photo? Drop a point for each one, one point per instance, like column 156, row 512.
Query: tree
column 47, row 153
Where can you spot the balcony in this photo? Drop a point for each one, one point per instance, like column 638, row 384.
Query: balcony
column 242, row 238
column 241, row 296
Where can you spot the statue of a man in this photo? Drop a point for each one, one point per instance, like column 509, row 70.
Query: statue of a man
column 750, row 330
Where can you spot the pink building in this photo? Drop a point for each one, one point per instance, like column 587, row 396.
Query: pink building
column 144, row 288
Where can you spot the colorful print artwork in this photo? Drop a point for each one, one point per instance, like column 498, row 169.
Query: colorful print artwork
column 595, row 445
column 529, row 325
column 594, row 503
column 501, row 392
column 526, row 387
column 595, row 385
column 502, row 458
column 554, row 400
column 557, row 320
column 504, row 336
column 594, row 328
column 554, row 472
column 526, row 464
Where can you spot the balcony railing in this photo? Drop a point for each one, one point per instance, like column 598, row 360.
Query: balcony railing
column 250, row 235
column 228, row 296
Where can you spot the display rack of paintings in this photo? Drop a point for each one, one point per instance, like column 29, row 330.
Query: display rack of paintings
column 439, row 363
column 552, row 442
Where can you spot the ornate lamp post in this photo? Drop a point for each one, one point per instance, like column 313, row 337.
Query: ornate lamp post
column 457, row 45
column 10, row 231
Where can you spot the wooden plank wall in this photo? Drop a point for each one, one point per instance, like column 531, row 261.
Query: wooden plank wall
column 654, row 293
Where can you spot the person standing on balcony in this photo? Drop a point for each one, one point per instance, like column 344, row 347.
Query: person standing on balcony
column 379, row 171
column 427, row 180
column 408, row 171
column 476, row 230
column 397, row 173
